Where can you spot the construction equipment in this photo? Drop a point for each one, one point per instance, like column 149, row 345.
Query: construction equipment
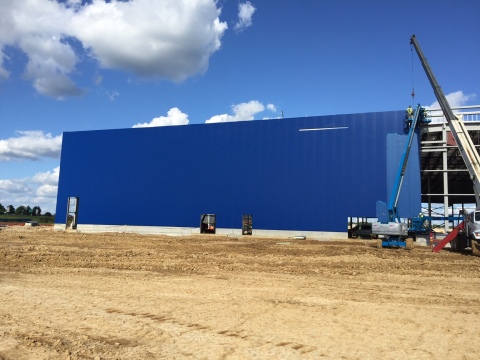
column 472, row 231
column 465, row 145
column 390, row 230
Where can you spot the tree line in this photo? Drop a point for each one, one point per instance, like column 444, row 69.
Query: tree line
column 23, row 210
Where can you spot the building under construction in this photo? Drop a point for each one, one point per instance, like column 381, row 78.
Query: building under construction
column 445, row 180
column 294, row 177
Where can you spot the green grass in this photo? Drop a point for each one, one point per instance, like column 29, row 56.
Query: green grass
column 22, row 218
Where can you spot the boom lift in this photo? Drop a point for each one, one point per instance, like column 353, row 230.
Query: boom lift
column 394, row 233
column 465, row 145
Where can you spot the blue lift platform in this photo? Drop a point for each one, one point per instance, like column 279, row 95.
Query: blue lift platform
column 391, row 231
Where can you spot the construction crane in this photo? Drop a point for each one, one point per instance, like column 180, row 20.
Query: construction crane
column 457, row 127
column 465, row 145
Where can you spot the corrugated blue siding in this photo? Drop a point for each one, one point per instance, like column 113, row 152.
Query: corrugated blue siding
column 288, row 179
column 409, row 201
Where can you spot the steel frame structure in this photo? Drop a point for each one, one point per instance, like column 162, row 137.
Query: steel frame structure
column 445, row 178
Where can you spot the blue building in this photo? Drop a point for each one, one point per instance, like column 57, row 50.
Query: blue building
column 297, row 176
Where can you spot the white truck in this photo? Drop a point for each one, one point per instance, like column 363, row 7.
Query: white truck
column 473, row 225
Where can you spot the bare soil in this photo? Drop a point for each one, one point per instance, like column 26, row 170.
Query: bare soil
column 125, row 296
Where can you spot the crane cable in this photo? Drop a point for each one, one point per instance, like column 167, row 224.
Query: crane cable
column 413, row 87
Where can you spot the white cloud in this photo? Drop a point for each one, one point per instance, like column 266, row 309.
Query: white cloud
column 112, row 94
column 13, row 186
column 48, row 183
column 272, row 108
column 3, row 73
column 245, row 13
column 49, row 63
column 46, row 191
column 30, row 145
column 455, row 99
column 168, row 39
column 39, row 190
column 243, row 111
column 38, row 29
column 47, row 178
column 74, row 2
column 174, row 117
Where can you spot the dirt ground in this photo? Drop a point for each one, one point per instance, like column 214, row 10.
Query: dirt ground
column 124, row 296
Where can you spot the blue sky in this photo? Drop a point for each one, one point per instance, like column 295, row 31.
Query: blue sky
column 85, row 65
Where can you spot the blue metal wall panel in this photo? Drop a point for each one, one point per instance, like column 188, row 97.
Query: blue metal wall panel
column 287, row 178
column 409, row 201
